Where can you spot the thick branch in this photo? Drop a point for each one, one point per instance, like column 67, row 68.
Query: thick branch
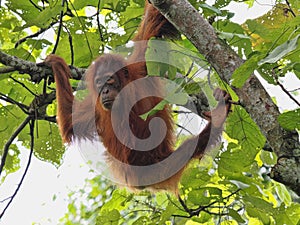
column 36, row 71
column 197, row 103
column 252, row 96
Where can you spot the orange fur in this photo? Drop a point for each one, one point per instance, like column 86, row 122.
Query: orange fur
column 81, row 117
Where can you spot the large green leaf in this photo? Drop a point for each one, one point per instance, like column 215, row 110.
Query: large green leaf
column 24, row 9
column 242, row 128
column 290, row 120
column 12, row 163
column 46, row 16
column 11, row 118
column 118, row 201
column 241, row 74
column 258, row 208
column 288, row 215
column 109, row 217
column 280, row 51
column 48, row 144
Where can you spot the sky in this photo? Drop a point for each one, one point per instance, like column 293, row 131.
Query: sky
column 43, row 195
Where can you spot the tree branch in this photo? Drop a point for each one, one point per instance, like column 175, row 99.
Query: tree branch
column 252, row 95
column 23, row 107
column 59, row 27
column 37, row 71
column 42, row 30
column 197, row 211
column 26, row 169
column 197, row 103
column 11, row 139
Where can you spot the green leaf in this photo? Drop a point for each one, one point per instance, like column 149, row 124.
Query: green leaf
column 198, row 197
column 268, row 158
column 241, row 74
column 283, row 193
column 158, row 58
column 258, row 208
column 290, row 120
column 211, row 8
column 194, row 178
column 10, row 119
column 288, row 215
column 24, row 9
column 79, row 4
column 242, row 128
column 228, row 36
column 160, row 106
column 45, row 17
column 240, row 184
column 12, row 163
column 133, row 12
column 175, row 94
column 142, row 220
column 203, row 218
column 108, row 217
column 192, row 88
column 296, row 69
column 48, row 145
column 118, row 200
column 233, row 163
column 87, row 45
column 202, row 196
column 167, row 213
column 234, row 214
column 281, row 51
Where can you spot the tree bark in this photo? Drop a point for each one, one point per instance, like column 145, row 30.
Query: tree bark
column 37, row 71
column 252, row 95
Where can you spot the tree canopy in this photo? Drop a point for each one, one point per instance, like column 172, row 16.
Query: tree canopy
column 254, row 175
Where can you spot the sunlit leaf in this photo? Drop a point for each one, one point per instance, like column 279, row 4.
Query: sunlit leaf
column 280, row 51
column 242, row 128
column 234, row 214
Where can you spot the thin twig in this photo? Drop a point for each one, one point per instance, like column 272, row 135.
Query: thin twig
column 23, row 85
column 201, row 208
column 183, row 128
column 182, row 112
column 23, row 107
column 35, row 5
column 4, row 200
column 71, row 45
column 59, row 27
column 42, row 30
column 196, row 212
column 99, row 27
column 26, row 169
column 290, row 8
column 297, row 89
column 287, row 92
column 190, row 69
column 283, row 88
column 84, row 32
column 9, row 142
